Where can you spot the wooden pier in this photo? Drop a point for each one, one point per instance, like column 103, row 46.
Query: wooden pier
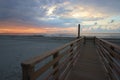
column 82, row 59
column 88, row 65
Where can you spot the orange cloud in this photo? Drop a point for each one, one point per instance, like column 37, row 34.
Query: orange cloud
column 17, row 28
column 22, row 30
column 14, row 28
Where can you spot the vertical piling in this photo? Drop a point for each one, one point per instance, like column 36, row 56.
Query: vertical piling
column 78, row 31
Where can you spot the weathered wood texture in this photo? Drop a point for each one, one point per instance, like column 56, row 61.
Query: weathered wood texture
column 62, row 60
column 110, row 55
column 88, row 65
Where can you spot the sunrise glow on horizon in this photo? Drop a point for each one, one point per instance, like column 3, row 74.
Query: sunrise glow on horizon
column 59, row 16
column 14, row 28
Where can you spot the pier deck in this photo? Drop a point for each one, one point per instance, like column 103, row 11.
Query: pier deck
column 81, row 59
column 88, row 65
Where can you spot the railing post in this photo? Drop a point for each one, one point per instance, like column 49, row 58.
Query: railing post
column 71, row 55
column 76, row 51
column 112, row 47
column 84, row 40
column 27, row 72
column 56, row 71
column 94, row 39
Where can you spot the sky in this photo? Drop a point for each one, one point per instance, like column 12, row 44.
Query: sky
column 59, row 16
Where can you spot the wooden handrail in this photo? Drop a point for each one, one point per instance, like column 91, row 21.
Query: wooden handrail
column 110, row 44
column 110, row 55
column 69, row 52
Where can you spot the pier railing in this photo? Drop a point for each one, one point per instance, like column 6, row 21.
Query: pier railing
column 110, row 55
column 57, row 65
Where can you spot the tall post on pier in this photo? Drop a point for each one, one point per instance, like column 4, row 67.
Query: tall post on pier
column 78, row 31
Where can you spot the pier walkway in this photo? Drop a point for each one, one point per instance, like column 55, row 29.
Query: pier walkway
column 88, row 65
column 81, row 59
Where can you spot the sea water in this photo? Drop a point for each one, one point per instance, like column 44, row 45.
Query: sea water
column 14, row 50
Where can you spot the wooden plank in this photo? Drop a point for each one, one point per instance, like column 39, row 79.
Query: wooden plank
column 88, row 62
column 110, row 44
column 113, row 57
column 30, row 74
column 107, row 51
column 67, row 69
column 111, row 51
column 47, row 66
column 27, row 72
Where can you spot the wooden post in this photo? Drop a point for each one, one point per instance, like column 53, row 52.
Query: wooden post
column 27, row 72
column 71, row 55
column 56, row 73
column 84, row 40
column 94, row 39
column 78, row 31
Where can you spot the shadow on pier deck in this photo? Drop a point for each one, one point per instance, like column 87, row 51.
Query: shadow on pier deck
column 88, row 65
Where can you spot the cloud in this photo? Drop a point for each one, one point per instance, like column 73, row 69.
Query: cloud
column 102, row 28
column 67, row 12
column 30, row 9
column 20, row 10
column 51, row 10
column 93, row 15
column 105, row 6
column 71, row 10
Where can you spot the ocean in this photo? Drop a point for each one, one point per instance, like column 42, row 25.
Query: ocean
column 15, row 49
